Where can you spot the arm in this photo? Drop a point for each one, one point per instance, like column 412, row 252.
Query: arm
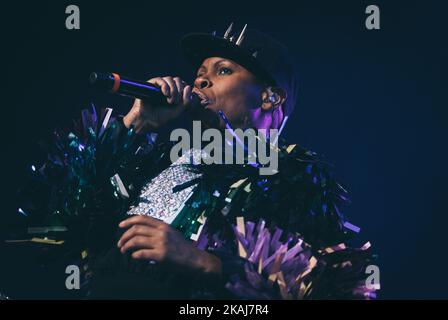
column 151, row 239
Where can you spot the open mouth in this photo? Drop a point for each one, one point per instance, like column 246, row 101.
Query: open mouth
column 204, row 100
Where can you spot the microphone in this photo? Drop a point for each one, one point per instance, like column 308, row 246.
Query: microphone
column 124, row 86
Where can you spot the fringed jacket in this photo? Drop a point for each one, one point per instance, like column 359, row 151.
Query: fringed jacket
column 281, row 236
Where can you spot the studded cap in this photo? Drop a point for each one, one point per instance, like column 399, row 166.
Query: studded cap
column 259, row 53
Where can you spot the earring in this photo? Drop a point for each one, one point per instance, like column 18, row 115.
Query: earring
column 270, row 99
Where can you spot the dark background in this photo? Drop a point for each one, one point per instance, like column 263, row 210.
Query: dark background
column 371, row 102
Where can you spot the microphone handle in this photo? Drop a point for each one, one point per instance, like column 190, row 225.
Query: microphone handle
column 115, row 83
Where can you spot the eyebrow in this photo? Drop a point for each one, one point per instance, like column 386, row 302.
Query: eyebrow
column 215, row 64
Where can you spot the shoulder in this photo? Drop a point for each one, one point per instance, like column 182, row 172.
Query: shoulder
column 303, row 197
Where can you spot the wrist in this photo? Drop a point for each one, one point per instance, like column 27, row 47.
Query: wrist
column 139, row 122
column 129, row 119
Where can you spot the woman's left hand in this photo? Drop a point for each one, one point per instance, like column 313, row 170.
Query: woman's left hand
column 152, row 239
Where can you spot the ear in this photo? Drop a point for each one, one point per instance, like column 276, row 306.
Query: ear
column 272, row 98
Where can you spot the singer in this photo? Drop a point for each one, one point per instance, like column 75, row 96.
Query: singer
column 198, row 231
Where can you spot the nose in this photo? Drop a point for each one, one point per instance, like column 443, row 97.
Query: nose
column 202, row 83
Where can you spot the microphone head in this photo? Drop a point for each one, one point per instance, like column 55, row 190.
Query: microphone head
column 93, row 77
column 102, row 81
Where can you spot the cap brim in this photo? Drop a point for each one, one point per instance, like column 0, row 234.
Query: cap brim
column 199, row 46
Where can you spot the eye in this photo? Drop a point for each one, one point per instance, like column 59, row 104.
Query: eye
column 224, row 71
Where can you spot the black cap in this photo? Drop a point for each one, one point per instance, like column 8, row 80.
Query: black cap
column 259, row 53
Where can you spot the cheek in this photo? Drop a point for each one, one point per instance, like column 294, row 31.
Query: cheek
column 237, row 101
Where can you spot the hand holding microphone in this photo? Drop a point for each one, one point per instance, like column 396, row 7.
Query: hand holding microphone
column 158, row 100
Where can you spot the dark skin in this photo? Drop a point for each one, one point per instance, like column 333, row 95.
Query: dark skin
column 152, row 239
column 223, row 85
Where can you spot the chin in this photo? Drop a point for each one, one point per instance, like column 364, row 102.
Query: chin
column 209, row 118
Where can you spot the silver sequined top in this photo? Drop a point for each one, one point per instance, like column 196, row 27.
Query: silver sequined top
column 157, row 198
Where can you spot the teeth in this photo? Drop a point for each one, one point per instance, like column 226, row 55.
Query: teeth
column 205, row 102
column 204, row 99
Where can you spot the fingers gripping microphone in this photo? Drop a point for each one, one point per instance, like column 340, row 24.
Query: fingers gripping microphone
column 115, row 83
